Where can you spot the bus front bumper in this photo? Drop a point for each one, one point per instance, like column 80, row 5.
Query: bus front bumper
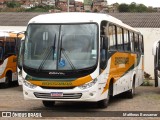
column 76, row 94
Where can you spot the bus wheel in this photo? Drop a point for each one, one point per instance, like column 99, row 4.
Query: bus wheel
column 8, row 80
column 48, row 103
column 104, row 103
column 130, row 93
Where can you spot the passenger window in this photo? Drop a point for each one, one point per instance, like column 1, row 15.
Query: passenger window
column 126, row 40
column 131, row 36
column 136, row 46
column 119, row 39
column 141, row 44
column 112, row 37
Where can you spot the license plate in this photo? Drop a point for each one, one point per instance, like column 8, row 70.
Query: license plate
column 56, row 94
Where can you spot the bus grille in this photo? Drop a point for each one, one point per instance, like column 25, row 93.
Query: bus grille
column 65, row 96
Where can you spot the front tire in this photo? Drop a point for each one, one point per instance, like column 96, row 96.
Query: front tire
column 48, row 104
column 104, row 103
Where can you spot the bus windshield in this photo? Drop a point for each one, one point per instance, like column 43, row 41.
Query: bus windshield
column 61, row 47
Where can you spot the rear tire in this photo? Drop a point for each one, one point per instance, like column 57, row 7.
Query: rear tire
column 130, row 93
column 8, row 80
column 48, row 104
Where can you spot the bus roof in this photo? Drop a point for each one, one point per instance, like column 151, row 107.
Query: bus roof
column 77, row 17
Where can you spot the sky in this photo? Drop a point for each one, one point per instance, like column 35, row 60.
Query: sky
column 153, row 3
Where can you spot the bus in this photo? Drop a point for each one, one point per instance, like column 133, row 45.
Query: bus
column 8, row 57
column 85, row 57
column 156, row 54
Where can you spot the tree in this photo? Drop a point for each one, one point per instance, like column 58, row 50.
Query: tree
column 141, row 8
column 132, row 7
column 123, row 7
column 12, row 4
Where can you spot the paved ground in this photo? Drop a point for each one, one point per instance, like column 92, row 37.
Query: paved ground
column 147, row 98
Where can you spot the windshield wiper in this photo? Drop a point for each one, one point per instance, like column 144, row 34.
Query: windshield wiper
column 66, row 56
column 68, row 59
column 48, row 54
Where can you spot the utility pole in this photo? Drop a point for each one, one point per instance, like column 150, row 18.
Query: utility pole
column 67, row 5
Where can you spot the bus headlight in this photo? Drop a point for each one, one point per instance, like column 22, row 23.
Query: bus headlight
column 88, row 85
column 28, row 84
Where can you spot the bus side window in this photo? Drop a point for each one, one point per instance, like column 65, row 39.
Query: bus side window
column 112, row 37
column 119, row 39
column 136, row 47
column 141, row 44
column 127, row 46
column 131, row 36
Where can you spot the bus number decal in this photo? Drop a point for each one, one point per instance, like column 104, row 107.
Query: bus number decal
column 121, row 60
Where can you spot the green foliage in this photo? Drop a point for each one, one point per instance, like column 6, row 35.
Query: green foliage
column 147, row 83
column 40, row 9
column 133, row 7
column 13, row 4
column 123, row 8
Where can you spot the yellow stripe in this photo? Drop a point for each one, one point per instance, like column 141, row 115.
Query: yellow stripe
column 56, row 83
column 120, row 64
column 11, row 65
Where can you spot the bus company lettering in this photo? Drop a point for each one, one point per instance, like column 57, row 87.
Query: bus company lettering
column 46, row 83
column 56, row 73
column 121, row 60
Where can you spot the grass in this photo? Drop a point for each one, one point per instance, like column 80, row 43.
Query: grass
column 147, row 83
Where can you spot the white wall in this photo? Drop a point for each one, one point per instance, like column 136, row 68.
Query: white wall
column 14, row 28
column 150, row 36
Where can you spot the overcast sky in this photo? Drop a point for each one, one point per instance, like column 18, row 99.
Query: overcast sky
column 153, row 3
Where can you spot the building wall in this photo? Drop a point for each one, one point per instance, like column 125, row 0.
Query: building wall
column 14, row 28
column 150, row 36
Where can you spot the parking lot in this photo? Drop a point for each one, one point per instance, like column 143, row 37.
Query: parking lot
column 147, row 98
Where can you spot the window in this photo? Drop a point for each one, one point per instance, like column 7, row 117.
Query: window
column 119, row 39
column 112, row 37
column 104, row 45
column 131, row 36
column 10, row 46
column 136, row 46
column 126, row 40
column 141, row 47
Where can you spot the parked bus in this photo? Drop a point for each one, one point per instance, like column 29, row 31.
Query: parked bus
column 156, row 53
column 8, row 57
column 81, row 57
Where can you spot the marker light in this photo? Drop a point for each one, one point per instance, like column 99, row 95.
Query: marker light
column 28, row 84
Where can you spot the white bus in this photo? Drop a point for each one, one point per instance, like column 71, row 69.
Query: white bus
column 81, row 57
column 156, row 54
